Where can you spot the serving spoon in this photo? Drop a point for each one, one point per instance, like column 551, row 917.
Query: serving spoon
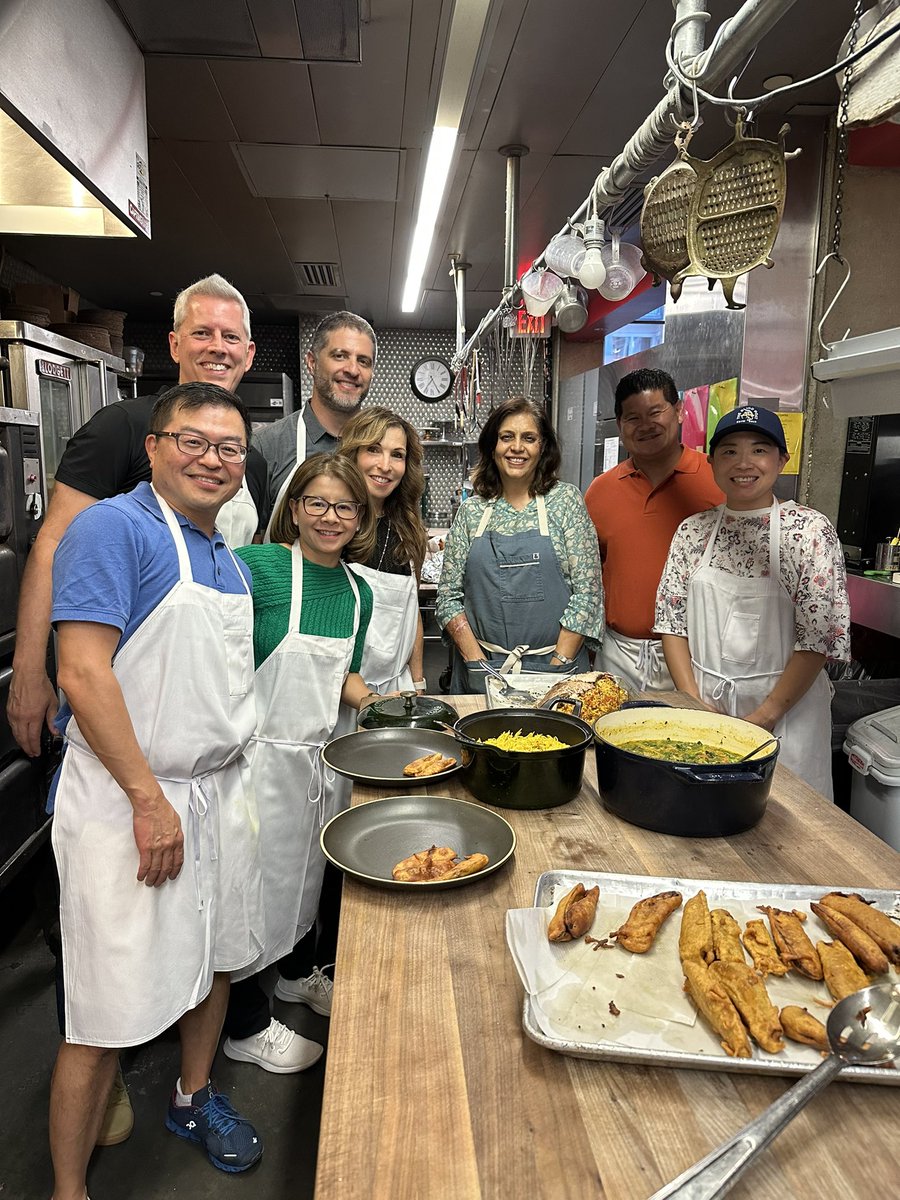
column 862, row 1028
column 507, row 690
column 772, row 741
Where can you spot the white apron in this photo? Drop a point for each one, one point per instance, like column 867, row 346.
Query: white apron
column 238, row 519
column 298, row 698
column 286, row 482
column 137, row 958
column 639, row 661
column 741, row 634
column 392, row 630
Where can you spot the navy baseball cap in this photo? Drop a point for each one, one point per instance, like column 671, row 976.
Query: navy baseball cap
column 750, row 419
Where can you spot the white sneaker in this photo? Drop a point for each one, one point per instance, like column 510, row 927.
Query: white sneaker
column 276, row 1049
column 315, row 991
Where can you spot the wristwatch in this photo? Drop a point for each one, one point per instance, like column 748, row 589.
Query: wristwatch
column 566, row 662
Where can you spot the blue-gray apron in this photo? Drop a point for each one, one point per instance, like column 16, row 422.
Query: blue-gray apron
column 515, row 594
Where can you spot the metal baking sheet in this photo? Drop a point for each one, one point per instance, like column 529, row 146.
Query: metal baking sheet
column 793, row 1060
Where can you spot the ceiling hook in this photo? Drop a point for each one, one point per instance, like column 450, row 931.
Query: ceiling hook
column 837, row 295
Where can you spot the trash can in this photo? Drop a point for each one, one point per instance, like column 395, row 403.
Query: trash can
column 872, row 746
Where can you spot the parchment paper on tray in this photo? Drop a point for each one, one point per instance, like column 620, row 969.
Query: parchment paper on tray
column 593, row 1001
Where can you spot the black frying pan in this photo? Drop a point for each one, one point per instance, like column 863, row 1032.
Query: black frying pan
column 378, row 756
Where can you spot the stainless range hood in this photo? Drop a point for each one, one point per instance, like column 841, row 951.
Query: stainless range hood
column 73, row 121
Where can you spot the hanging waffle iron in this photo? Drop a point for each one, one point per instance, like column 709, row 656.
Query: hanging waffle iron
column 728, row 220
column 664, row 217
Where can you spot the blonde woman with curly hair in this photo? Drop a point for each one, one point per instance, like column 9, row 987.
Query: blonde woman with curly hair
column 311, row 618
column 388, row 453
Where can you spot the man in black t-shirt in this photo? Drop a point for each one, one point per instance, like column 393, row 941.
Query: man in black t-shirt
column 211, row 343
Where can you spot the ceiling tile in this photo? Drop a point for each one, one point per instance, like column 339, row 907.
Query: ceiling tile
column 362, row 104
column 183, row 101
column 310, row 172
column 307, row 229
column 268, row 101
column 201, row 27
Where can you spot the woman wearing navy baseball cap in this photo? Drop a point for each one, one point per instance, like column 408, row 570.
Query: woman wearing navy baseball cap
column 753, row 599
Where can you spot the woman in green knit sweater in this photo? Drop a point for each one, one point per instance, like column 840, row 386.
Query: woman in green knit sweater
column 311, row 615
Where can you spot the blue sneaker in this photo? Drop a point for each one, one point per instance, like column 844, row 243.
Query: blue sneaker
column 230, row 1141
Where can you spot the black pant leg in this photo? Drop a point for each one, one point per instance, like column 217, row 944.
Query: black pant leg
column 248, row 1009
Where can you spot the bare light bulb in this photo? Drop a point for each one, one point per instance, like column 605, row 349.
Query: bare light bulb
column 592, row 272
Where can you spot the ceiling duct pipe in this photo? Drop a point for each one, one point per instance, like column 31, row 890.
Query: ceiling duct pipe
column 514, row 156
column 458, row 270
column 733, row 42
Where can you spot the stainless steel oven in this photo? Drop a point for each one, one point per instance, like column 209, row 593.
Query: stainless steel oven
column 23, row 781
column 62, row 380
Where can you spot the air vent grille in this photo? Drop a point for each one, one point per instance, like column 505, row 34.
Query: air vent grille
column 319, row 275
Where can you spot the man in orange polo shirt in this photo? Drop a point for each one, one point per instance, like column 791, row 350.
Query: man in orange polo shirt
column 636, row 508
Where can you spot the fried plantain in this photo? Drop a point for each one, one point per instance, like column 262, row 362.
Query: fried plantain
column 878, row 925
column 843, row 974
column 762, row 950
column 695, row 941
column 428, row 764
column 747, row 992
column 581, row 912
column 794, row 947
column 645, row 921
column 726, row 936
column 801, row 1026
column 469, row 865
column 556, row 930
column 714, row 1004
column 867, row 952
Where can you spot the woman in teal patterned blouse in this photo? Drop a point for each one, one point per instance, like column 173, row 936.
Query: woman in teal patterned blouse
column 521, row 584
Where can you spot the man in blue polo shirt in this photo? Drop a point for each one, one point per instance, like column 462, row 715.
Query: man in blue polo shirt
column 154, row 833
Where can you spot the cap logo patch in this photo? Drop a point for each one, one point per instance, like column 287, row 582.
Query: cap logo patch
column 746, row 415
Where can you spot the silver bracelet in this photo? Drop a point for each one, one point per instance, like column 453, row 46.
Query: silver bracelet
column 566, row 662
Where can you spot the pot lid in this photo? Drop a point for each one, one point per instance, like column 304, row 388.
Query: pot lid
column 409, row 707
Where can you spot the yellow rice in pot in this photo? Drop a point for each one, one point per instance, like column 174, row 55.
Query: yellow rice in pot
column 524, row 741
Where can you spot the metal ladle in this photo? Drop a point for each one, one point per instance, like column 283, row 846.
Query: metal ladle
column 862, row 1028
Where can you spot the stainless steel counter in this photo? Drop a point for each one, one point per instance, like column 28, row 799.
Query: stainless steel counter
column 874, row 604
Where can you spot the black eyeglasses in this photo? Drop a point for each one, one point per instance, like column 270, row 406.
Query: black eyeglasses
column 196, row 446
column 315, row 506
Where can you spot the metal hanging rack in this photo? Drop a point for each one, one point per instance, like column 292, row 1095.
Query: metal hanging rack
column 733, row 43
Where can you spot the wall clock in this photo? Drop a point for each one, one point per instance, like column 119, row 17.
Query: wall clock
column 431, row 379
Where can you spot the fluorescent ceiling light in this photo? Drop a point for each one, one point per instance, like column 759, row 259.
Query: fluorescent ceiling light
column 437, row 168
column 463, row 42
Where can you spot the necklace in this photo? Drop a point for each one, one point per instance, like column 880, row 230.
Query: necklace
column 387, row 538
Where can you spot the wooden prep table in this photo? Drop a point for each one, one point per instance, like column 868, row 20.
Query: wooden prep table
column 433, row 1090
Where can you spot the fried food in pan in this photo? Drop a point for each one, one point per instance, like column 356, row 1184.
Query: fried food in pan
column 726, row 936
column 695, row 942
column 468, row 866
column 794, row 947
column 748, row 994
column 645, row 921
column 715, row 1006
column 843, row 974
column 878, row 925
column 801, row 1026
column 762, row 949
column 426, row 864
column 868, row 953
column 428, row 764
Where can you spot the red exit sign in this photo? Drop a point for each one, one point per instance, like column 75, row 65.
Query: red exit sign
column 529, row 326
